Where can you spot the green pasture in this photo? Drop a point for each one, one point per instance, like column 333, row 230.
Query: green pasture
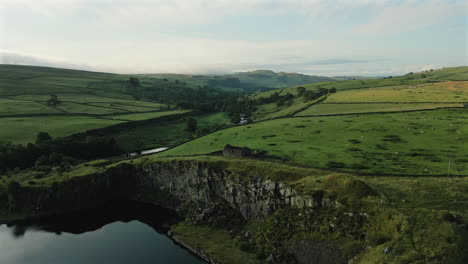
column 24, row 130
column 342, row 108
column 438, row 92
column 143, row 116
column 166, row 134
column 14, row 107
column 446, row 74
column 270, row 111
column 396, row 143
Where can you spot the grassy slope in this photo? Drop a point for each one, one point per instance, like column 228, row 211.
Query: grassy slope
column 24, row 130
column 438, row 92
column 252, row 79
column 400, row 143
column 25, row 90
column 408, row 88
column 393, row 143
column 406, row 143
column 333, row 109
column 166, row 134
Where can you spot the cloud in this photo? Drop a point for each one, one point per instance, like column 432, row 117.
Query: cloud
column 131, row 36
column 333, row 67
column 17, row 58
column 183, row 12
column 337, row 61
column 386, row 15
column 396, row 17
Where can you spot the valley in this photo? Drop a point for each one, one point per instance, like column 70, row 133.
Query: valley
column 371, row 170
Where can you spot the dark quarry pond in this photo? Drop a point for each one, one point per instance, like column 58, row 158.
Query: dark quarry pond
column 124, row 232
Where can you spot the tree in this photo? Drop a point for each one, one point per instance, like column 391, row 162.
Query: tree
column 235, row 118
column 42, row 160
column 312, row 95
column 53, row 100
column 55, row 158
column 191, row 124
column 323, row 91
column 332, row 90
column 42, row 137
column 13, row 187
column 300, row 91
column 281, row 102
column 134, row 81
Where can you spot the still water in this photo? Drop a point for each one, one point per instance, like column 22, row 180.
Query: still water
column 99, row 236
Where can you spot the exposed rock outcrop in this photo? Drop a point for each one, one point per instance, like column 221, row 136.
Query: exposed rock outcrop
column 186, row 180
column 258, row 197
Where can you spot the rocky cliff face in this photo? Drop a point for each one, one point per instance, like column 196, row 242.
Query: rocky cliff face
column 256, row 198
column 74, row 194
column 187, row 180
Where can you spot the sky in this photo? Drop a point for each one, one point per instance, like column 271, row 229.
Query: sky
column 316, row 37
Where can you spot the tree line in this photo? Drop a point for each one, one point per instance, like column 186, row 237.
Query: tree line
column 247, row 105
column 46, row 151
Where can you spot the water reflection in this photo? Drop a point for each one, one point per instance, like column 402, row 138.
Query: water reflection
column 118, row 233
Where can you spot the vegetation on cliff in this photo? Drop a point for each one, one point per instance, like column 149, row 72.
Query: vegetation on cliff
column 367, row 219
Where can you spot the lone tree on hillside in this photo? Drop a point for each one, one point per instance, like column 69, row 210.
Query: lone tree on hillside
column 332, row 90
column 300, row 91
column 134, row 81
column 53, row 100
column 191, row 124
column 42, row 136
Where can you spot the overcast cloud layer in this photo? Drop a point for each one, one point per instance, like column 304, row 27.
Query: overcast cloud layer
column 359, row 37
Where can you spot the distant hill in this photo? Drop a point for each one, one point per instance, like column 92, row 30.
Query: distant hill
column 350, row 78
column 247, row 81
column 271, row 79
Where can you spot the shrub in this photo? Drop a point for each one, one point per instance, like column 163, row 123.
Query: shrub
column 334, row 164
column 13, row 187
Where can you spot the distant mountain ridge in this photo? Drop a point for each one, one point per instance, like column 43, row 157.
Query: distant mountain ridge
column 250, row 81
column 271, row 79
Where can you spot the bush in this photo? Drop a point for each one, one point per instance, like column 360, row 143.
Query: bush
column 354, row 141
column 42, row 137
column 334, row 164
column 191, row 124
column 13, row 187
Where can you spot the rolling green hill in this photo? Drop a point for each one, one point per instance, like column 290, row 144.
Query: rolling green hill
column 89, row 100
column 247, row 81
column 426, row 90
column 385, row 158
column 354, row 129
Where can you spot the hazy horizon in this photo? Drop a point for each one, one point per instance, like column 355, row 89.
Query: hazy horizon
column 314, row 37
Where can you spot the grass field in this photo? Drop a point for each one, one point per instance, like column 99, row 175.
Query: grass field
column 447, row 74
column 270, row 111
column 11, row 107
column 400, row 143
column 24, row 130
column 143, row 116
column 166, row 134
column 77, row 103
column 343, row 108
column 395, row 155
column 437, row 92
column 427, row 87
column 26, row 89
